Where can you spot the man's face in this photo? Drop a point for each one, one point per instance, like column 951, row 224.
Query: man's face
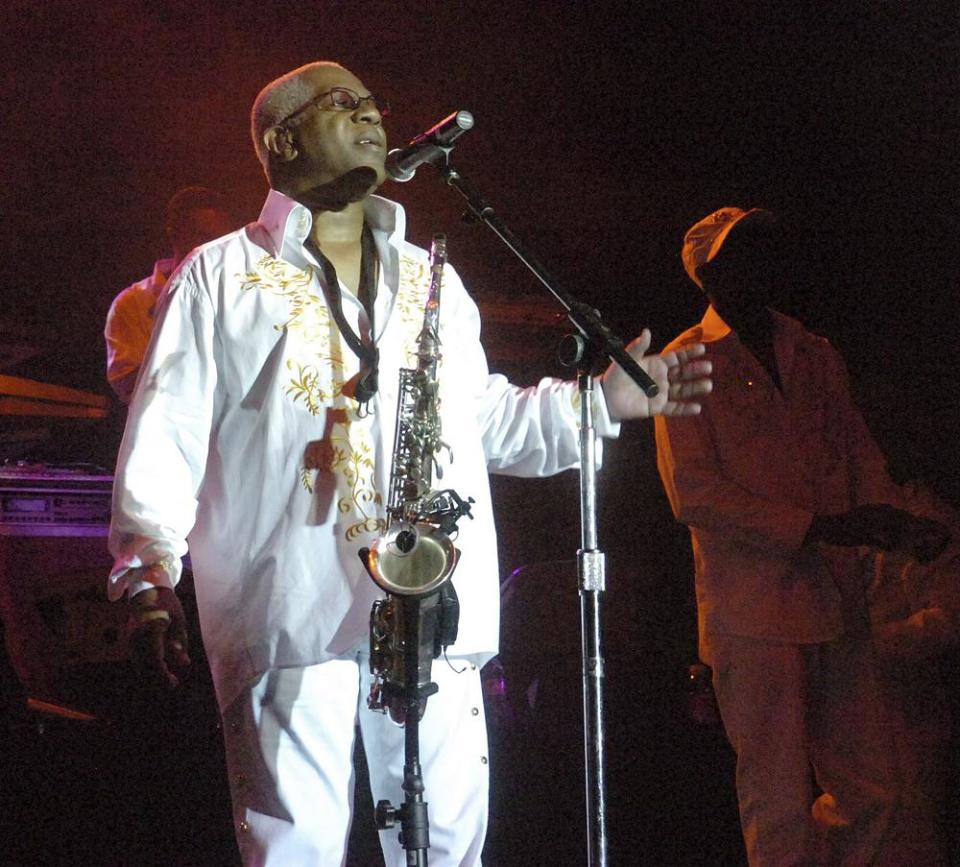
column 333, row 141
column 743, row 279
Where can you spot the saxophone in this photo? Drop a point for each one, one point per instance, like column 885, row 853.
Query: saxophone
column 415, row 557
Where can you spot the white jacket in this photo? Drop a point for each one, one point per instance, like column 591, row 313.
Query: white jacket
column 240, row 438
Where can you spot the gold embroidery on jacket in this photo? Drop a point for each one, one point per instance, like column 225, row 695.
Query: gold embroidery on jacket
column 411, row 299
column 317, row 381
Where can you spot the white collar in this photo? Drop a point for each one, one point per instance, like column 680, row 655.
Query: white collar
column 286, row 221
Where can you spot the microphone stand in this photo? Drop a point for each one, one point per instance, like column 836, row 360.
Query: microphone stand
column 414, row 820
column 596, row 341
column 426, row 623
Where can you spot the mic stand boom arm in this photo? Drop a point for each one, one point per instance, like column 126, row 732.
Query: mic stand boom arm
column 597, row 341
column 584, row 318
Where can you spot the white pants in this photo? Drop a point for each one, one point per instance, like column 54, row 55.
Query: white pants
column 289, row 743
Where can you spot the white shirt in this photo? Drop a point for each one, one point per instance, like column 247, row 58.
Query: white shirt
column 129, row 326
column 749, row 473
column 240, row 437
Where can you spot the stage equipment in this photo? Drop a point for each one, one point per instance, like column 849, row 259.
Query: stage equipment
column 413, row 562
column 19, row 396
column 38, row 417
column 53, row 562
column 594, row 342
column 50, row 500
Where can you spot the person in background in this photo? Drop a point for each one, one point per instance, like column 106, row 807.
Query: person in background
column 914, row 611
column 780, row 484
column 194, row 215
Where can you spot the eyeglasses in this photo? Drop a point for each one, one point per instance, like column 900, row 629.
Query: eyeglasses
column 339, row 99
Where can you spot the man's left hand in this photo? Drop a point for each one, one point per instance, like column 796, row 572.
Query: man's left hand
column 682, row 375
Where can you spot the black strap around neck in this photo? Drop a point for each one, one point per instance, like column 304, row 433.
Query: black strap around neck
column 367, row 352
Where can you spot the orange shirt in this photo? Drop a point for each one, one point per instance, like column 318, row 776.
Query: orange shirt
column 748, row 474
column 129, row 326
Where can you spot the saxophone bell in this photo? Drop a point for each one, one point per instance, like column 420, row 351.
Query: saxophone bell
column 412, row 559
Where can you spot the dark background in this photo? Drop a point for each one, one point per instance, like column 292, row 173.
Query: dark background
column 604, row 130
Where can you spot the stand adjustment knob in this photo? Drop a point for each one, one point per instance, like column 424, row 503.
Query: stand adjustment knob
column 385, row 815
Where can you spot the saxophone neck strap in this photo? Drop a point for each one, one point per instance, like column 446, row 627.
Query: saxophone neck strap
column 365, row 350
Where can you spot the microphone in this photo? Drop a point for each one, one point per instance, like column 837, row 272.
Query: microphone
column 402, row 163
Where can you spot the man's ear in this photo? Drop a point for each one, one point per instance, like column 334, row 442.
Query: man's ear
column 279, row 143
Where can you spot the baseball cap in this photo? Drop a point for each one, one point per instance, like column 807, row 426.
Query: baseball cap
column 705, row 238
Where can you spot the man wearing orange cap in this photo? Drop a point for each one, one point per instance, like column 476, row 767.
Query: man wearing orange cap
column 780, row 482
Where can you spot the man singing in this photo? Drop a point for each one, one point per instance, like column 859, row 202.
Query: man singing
column 261, row 428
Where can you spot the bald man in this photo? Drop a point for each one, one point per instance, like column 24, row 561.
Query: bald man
column 261, row 429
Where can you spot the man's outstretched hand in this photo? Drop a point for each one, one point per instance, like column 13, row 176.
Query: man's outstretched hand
column 683, row 376
column 157, row 636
